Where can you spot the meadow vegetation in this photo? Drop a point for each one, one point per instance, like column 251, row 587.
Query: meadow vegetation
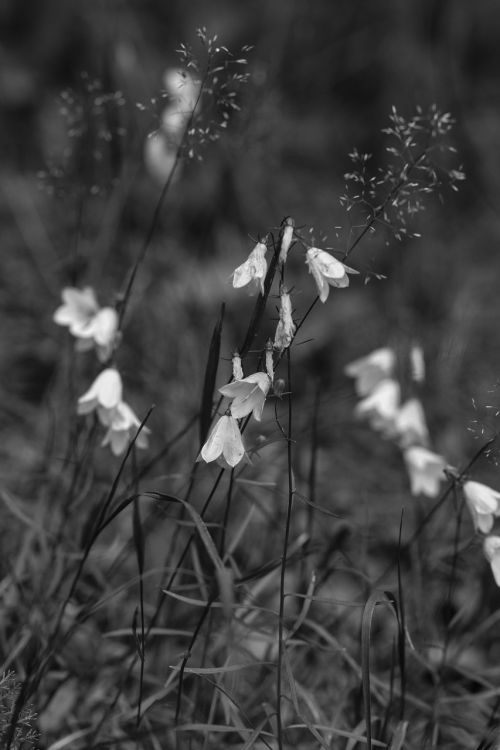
column 249, row 398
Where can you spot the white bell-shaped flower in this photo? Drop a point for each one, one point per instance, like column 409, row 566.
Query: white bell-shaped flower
column 410, row 427
column 327, row 271
column 122, row 424
column 105, row 335
column 381, row 406
column 224, row 444
column 91, row 325
column 248, row 394
column 491, row 547
column 78, row 311
column 253, row 270
column 425, row 470
column 104, row 394
column 369, row 371
column 483, row 503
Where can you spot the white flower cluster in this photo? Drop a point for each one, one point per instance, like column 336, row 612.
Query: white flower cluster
column 405, row 423
column 248, row 396
column 97, row 327
column 326, row 270
column 402, row 422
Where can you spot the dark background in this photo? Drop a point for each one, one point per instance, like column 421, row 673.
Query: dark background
column 76, row 200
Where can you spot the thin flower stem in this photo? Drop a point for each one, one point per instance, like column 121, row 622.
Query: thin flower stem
column 453, row 577
column 44, row 658
column 440, row 502
column 379, row 211
column 229, row 496
column 281, row 617
column 159, row 204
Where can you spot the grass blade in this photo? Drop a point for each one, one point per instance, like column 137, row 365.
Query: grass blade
column 210, row 378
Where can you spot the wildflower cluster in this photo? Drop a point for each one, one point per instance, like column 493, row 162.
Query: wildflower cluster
column 96, row 327
column 248, row 394
column 405, row 423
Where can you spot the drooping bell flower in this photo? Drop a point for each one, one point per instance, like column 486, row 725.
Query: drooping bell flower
column 248, row 395
column 90, row 324
column 491, row 547
column 483, row 503
column 224, row 444
column 104, row 394
column 327, row 271
column 122, row 424
column 381, row 406
column 410, row 426
column 369, row 371
column 425, row 470
column 253, row 270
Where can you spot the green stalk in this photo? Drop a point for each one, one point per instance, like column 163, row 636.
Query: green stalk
column 291, row 492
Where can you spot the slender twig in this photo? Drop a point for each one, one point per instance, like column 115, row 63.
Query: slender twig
column 159, row 204
column 281, row 616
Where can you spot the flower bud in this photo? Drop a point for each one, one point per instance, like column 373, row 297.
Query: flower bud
column 285, row 237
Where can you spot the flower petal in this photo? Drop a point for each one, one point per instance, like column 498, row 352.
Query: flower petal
column 105, row 326
column 233, row 444
column 326, row 264
column 212, row 449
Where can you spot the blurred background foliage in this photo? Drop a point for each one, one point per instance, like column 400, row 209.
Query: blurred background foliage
column 80, row 89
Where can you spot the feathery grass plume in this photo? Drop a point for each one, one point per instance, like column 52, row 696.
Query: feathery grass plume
column 201, row 97
column 391, row 197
